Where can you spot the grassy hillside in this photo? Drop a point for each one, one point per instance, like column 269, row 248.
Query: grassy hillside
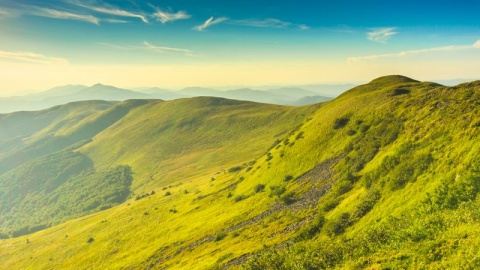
column 28, row 135
column 384, row 176
column 165, row 142
column 57, row 186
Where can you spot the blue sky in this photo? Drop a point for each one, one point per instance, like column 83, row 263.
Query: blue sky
column 179, row 43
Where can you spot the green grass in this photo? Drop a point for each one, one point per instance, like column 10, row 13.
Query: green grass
column 405, row 194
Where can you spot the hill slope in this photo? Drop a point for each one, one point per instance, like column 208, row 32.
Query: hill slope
column 384, row 176
column 150, row 138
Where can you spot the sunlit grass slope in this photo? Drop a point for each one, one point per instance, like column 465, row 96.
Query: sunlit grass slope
column 407, row 182
column 171, row 141
column 384, row 176
column 20, row 128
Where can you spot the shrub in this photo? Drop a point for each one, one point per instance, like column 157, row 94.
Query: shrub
column 235, row 169
column 168, row 193
column 259, row 188
column 351, row 132
column 400, row 91
column 239, row 198
column 366, row 204
column 219, row 236
column 330, row 204
column 288, row 198
column 342, row 187
column 312, row 229
column 288, row 178
column 340, row 123
column 90, row 240
column 277, row 190
column 338, row 225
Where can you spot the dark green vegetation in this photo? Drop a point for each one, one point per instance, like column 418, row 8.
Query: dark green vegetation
column 386, row 176
column 55, row 188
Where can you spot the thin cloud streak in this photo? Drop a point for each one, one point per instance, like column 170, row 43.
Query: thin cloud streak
column 164, row 16
column 268, row 23
column 115, row 21
column 210, row 22
column 58, row 14
column 112, row 11
column 154, row 48
column 451, row 48
column 381, row 35
column 32, row 58
column 147, row 46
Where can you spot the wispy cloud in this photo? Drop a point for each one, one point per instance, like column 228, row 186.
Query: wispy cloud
column 112, row 11
column 211, row 21
column 268, row 23
column 58, row 14
column 147, row 46
column 381, row 35
column 32, row 58
column 3, row 13
column 451, row 48
column 154, row 48
column 165, row 16
column 115, row 21
column 303, row 27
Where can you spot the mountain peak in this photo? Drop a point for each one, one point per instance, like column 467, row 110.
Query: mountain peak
column 392, row 79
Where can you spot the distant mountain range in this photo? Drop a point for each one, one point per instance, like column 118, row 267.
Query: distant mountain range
column 292, row 96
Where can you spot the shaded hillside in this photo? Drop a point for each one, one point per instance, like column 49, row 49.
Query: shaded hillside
column 67, row 133
column 384, row 176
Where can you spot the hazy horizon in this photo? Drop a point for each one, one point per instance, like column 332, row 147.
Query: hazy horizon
column 173, row 44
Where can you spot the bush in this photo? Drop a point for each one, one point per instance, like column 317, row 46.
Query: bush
column 235, row 169
column 351, row 132
column 400, row 91
column 219, row 236
column 330, row 204
column 239, row 198
column 168, row 193
column 366, row 204
column 338, row 225
column 340, row 123
column 288, row 198
column 259, row 188
column 342, row 187
column 288, row 178
column 312, row 229
column 90, row 240
column 277, row 190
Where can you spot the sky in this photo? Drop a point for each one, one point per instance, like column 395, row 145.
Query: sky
column 212, row 43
